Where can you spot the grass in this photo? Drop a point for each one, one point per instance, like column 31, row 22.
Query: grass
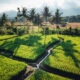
column 10, row 68
column 42, row 75
column 6, row 36
column 66, row 55
column 27, row 46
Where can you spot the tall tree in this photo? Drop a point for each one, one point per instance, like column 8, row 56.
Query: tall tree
column 37, row 20
column 22, row 13
column 46, row 13
column 16, row 18
column 32, row 16
column 19, row 12
column 3, row 19
column 24, row 10
column 57, row 18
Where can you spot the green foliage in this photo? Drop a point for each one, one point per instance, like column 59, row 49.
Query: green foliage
column 69, row 31
column 66, row 55
column 57, row 18
column 3, row 31
column 10, row 68
column 42, row 75
column 32, row 15
column 47, row 30
column 10, row 32
column 46, row 13
column 37, row 20
column 28, row 46
column 9, row 27
column 6, row 36
column 15, row 30
column 3, row 19
column 76, row 31
column 21, row 32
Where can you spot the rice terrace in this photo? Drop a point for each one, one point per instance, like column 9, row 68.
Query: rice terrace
column 40, row 40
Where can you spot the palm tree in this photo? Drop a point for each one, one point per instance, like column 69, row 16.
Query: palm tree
column 24, row 10
column 37, row 20
column 22, row 13
column 46, row 14
column 19, row 12
column 57, row 18
column 16, row 18
column 32, row 16
column 3, row 19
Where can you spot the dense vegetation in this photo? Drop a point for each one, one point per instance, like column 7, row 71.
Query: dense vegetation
column 66, row 55
column 34, row 35
column 67, row 31
column 28, row 46
column 2, row 37
column 75, row 18
column 10, row 68
column 42, row 75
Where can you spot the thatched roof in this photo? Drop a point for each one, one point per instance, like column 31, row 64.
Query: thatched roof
column 46, row 23
column 19, row 24
column 7, row 23
column 28, row 23
column 23, row 24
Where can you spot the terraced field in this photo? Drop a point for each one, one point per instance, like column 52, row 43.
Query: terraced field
column 66, row 55
column 6, row 36
column 28, row 46
column 10, row 68
column 42, row 75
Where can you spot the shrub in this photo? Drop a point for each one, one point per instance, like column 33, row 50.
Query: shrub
column 21, row 32
column 15, row 30
column 47, row 30
column 9, row 27
column 76, row 31
column 10, row 32
column 3, row 31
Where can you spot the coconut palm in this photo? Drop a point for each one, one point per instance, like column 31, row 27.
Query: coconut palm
column 22, row 13
column 57, row 19
column 32, row 16
column 37, row 20
column 3, row 19
column 46, row 14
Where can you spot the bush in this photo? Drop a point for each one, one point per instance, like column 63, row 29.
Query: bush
column 21, row 32
column 9, row 27
column 10, row 32
column 3, row 31
column 76, row 31
column 47, row 30
column 15, row 30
